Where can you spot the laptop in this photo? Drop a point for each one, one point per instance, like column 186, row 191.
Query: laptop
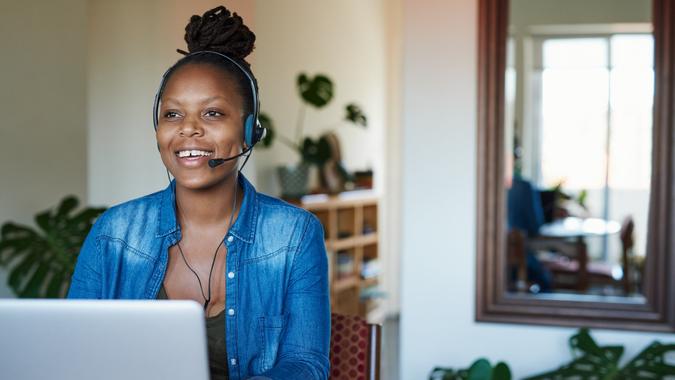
column 89, row 339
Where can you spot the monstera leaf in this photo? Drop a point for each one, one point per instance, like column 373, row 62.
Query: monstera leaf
column 650, row 363
column 595, row 362
column 42, row 261
column 590, row 359
column 355, row 115
column 317, row 91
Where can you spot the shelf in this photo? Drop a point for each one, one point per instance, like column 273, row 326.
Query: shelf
column 350, row 226
column 345, row 283
column 317, row 202
column 369, row 282
column 356, row 241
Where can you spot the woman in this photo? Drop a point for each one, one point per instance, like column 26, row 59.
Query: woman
column 257, row 264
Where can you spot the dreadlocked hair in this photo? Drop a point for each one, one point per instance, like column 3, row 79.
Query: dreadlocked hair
column 223, row 32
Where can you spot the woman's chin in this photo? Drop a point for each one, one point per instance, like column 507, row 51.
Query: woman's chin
column 200, row 181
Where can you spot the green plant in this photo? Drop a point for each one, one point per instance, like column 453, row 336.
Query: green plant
column 481, row 369
column 42, row 261
column 602, row 362
column 590, row 361
column 318, row 93
column 561, row 197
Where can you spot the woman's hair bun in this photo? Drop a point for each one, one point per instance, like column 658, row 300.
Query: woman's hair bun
column 221, row 31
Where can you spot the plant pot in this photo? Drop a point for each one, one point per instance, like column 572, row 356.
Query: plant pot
column 294, row 180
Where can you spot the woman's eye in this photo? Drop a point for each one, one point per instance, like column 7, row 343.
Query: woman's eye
column 213, row 113
column 171, row 115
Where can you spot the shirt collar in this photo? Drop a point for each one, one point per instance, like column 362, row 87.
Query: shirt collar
column 243, row 228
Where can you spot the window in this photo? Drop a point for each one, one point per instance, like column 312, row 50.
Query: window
column 593, row 120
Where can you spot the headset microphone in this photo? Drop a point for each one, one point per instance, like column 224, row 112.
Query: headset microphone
column 219, row 161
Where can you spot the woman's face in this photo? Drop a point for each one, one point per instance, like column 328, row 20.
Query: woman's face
column 200, row 118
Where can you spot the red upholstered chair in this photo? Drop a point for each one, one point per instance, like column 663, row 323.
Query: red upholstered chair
column 354, row 348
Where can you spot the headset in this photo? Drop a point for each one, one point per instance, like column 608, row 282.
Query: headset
column 253, row 130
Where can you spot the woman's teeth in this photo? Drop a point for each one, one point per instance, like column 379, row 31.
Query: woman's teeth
column 193, row 153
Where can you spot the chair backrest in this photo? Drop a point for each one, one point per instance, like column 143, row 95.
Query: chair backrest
column 627, row 243
column 354, row 348
column 516, row 260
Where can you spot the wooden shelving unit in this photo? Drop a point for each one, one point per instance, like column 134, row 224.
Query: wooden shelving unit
column 351, row 231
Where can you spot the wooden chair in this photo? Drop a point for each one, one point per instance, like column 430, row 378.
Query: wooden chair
column 572, row 262
column 516, row 261
column 568, row 263
column 354, row 348
column 627, row 244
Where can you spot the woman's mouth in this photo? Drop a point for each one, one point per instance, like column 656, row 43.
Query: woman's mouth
column 193, row 157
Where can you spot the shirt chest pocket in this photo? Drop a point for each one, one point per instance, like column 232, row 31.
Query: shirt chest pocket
column 271, row 329
column 127, row 270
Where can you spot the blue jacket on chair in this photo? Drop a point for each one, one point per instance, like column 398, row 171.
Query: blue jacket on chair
column 276, row 280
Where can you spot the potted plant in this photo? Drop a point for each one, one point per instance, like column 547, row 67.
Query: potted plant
column 590, row 361
column 42, row 260
column 316, row 92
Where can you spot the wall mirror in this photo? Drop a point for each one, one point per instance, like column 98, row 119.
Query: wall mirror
column 575, row 163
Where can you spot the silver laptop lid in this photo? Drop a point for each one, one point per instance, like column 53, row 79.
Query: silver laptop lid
column 86, row 339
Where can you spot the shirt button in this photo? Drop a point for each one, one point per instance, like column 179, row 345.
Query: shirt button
column 230, row 275
column 230, row 312
column 233, row 361
column 229, row 239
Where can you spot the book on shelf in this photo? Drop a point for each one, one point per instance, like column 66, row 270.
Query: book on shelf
column 345, row 264
column 370, row 268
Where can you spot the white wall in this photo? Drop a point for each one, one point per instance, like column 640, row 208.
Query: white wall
column 390, row 211
column 438, row 239
column 42, row 103
column 346, row 41
column 131, row 44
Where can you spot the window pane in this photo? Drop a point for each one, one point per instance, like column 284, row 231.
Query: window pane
column 631, row 99
column 634, row 50
column 571, row 53
column 574, row 125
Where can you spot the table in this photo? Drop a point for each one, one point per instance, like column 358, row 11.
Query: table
column 573, row 227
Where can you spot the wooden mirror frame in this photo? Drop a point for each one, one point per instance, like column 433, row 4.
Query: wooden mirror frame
column 493, row 302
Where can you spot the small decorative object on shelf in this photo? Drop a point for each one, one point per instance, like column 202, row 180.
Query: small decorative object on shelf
column 363, row 179
column 351, row 233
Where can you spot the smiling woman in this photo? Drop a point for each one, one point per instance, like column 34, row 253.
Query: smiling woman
column 200, row 100
column 201, row 238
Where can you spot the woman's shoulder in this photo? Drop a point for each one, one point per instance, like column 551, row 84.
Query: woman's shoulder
column 283, row 216
column 141, row 212
column 277, row 208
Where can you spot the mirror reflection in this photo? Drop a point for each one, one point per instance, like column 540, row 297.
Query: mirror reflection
column 578, row 136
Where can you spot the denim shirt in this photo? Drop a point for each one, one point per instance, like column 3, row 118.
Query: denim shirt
column 277, row 298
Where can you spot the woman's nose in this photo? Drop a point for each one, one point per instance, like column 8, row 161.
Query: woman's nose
column 191, row 127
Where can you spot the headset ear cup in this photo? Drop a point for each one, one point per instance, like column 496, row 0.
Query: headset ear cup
column 261, row 132
column 248, row 131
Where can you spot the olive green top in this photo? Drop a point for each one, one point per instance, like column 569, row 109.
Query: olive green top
column 215, row 335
